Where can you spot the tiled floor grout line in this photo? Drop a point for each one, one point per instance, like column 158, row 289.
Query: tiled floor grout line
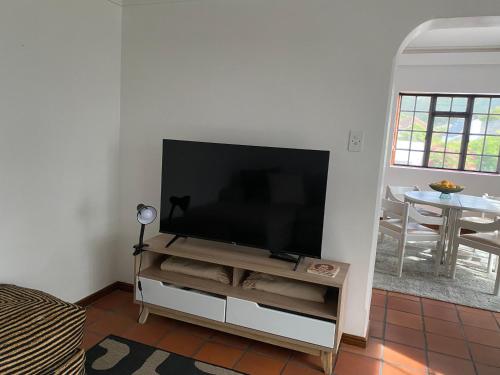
column 426, row 347
column 466, row 341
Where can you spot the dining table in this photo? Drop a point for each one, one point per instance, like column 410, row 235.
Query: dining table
column 452, row 207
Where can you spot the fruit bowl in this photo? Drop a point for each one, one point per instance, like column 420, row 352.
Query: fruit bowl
column 446, row 190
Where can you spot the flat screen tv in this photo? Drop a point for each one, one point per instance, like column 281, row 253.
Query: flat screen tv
column 264, row 197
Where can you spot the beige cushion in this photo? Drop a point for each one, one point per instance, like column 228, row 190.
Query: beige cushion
column 285, row 287
column 196, row 268
column 412, row 227
column 488, row 238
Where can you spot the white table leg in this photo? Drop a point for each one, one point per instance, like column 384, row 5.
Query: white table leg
column 453, row 255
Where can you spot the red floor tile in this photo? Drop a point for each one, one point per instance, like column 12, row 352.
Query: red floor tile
column 93, row 314
column 114, row 300
column 441, row 364
column 439, row 312
column 486, row 321
column 482, row 336
column 378, row 300
column 259, row 364
column 486, row 370
column 404, row 319
column 150, row 332
column 90, row 339
column 354, row 364
column 447, row 345
column 405, row 296
column 196, row 330
column 444, row 328
column 376, row 329
column 237, row 342
column 403, row 304
column 377, row 313
column 486, row 355
column 111, row 324
column 308, row 360
column 401, row 354
column 404, row 335
column 443, row 304
column 404, row 358
column 219, row 354
column 293, row 368
column 181, row 342
column 374, row 349
column 270, row 350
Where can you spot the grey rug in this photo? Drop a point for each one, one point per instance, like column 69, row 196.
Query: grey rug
column 473, row 285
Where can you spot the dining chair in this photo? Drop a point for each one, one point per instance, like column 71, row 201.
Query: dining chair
column 397, row 194
column 404, row 223
column 486, row 238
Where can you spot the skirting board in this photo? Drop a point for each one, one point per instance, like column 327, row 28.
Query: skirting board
column 126, row 287
column 117, row 285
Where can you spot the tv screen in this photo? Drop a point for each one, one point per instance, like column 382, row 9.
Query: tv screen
column 265, row 197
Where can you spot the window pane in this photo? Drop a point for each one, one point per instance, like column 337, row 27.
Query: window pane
column 451, row 161
column 440, row 124
column 438, row 142
column 418, row 141
column 495, row 106
column 436, row 159
column 481, row 105
column 420, row 121
column 454, row 143
column 423, row 103
column 492, row 145
column 403, row 140
column 489, row 164
column 456, row 125
column 459, row 104
column 493, row 125
column 407, row 103
column 475, row 145
column 478, row 124
column 401, row 157
column 443, row 104
column 416, row 158
column 472, row 162
column 405, row 120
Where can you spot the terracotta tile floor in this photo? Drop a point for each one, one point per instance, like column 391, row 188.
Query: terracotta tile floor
column 409, row 335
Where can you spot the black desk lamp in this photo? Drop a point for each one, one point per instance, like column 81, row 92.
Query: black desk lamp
column 145, row 215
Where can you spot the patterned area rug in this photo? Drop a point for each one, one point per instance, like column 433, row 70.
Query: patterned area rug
column 116, row 355
column 473, row 285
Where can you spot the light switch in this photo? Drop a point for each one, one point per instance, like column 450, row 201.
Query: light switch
column 355, row 141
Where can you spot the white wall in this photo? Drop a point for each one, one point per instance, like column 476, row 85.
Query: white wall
column 59, row 121
column 475, row 78
column 294, row 73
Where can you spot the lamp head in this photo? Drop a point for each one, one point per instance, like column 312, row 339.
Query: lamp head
column 145, row 214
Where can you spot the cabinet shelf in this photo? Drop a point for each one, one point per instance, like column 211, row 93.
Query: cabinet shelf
column 327, row 310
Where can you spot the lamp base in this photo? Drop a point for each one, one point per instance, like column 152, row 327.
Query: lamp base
column 139, row 248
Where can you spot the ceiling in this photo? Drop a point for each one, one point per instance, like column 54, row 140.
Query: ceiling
column 466, row 39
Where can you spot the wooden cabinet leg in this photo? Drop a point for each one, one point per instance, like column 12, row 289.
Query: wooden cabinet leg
column 327, row 361
column 144, row 316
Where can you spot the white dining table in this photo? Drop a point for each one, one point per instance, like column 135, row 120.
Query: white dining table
column 452, row 208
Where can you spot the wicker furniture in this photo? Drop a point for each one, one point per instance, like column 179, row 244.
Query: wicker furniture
column 39, row 333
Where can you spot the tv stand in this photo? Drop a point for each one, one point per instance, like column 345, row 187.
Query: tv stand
column 175, row 238
column 310, row 327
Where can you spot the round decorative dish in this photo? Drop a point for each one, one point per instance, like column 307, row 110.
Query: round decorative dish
column 445, row 190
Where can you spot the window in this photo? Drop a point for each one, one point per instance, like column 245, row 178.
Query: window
column 460, row 132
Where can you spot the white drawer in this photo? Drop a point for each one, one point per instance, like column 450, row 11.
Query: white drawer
column 188, row 301
column 251, row 315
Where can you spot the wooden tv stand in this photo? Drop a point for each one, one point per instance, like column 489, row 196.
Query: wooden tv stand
column 306, row 326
